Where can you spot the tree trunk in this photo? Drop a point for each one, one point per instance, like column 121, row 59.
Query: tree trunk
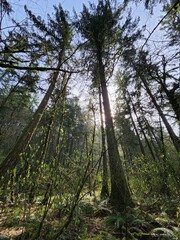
column 104, row 190
column 120, row 196
column 23, row 142
column 142, row 130
column 170, row 93
column 136, row 131
column 174, row 138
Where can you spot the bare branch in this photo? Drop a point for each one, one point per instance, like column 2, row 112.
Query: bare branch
column 41, row 69
column 174, row 5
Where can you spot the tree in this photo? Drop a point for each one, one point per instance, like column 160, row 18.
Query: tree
column 171, row 132
column 5, row 8
column 99, row 27
column 105, row 189
column 61, row 39
column 124, row 114
column 15, row 111
column 136, row 61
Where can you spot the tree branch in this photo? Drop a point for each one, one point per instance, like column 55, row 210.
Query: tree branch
column 41, row 69
column 174, row 5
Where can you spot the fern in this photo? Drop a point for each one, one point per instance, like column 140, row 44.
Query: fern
column 163, row 232
column 115, row 221
column 138, row 222
column 135, row 230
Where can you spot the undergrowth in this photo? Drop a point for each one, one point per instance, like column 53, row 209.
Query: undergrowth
column 96, row 220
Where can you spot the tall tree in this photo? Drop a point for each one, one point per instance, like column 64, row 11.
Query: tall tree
column 142, row 75
column 136, row 61
column 99, row 27
column 105, row 189
column 58, row 32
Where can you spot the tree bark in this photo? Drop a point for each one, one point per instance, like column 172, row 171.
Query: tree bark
column 105, row 189
column 120, row 196
column 174, row 138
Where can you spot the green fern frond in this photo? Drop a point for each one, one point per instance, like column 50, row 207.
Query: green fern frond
column 164, row 232
column 131, row 217
column 135, row 230
column 115, row 221
column 138, row 222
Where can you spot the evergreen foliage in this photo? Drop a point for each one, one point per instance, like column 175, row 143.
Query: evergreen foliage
column 74, row 169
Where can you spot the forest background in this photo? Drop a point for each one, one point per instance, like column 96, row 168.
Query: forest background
column 74, row 165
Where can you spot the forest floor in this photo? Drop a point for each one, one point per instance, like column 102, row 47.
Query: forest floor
column 92, row 221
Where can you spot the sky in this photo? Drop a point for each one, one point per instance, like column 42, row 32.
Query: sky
column 43, row 7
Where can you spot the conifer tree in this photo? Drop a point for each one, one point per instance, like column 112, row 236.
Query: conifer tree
column 98, row 25
column 56, row 40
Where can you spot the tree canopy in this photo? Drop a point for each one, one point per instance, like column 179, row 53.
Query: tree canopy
column 74, row 164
